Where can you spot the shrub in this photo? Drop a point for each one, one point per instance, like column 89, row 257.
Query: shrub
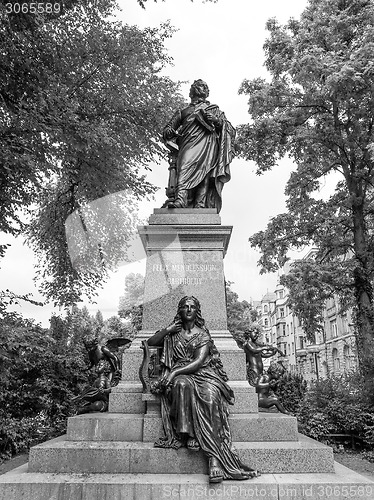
column 291, row 391
column 38, row 377
column 337, row 405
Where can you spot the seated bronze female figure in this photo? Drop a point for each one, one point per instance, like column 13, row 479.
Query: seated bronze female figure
column 195, row 394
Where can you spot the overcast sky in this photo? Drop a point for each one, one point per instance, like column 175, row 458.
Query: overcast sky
column 222, row 44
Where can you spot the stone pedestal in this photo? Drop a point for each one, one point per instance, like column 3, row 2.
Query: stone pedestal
column 185, row 250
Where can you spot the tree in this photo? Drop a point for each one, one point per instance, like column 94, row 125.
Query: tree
column 39, row 374
column 80, row 323
column 318, row 108
column 143, row 2
column 131, row 304
column 82, row 105
column 115, row 327
column 59, row 331
column 239, row 313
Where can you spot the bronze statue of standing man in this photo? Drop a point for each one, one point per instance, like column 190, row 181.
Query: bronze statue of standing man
column 204, row 139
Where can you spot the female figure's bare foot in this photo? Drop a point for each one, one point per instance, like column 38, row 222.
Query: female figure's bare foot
column 193, row 444
column 215, row 471
column 246, row 475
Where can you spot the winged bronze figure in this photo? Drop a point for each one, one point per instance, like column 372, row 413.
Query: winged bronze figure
column 106, row 353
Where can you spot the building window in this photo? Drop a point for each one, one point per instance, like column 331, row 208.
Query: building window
column 281, row 312
column 293, row 348
column 266, row 322
column 335, row 360
column 347, row 358
column 333, row 328
column 284, row 330
column 265, row 309
column 301, row 343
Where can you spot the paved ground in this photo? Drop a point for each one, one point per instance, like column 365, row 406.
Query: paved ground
column 355, row 462
column 13, row 463
column 351, row 460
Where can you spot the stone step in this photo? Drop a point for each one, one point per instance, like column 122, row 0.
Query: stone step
column 233, row 362
column 115, row 457
column 129, row 427
column 342, row 484
column 126, row 397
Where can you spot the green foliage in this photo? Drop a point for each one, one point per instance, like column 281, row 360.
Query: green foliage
column 310, row 284
column 142, row 3
column 315, row 424
column 239, row 313
column 131, row 304
column 338, row 405
column 40, row 372
column 318, row 109
column 17, row 435
column 291, row 391
column 81, row 109
column 134, row 291
column 115, row 327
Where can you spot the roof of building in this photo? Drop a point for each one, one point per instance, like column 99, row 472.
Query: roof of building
column 269, row 297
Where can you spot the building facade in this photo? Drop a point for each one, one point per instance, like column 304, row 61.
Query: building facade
column 334, row 351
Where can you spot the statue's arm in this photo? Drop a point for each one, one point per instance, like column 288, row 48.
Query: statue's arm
column 268, row 354
column 270, row 351
column 104, row 387
column 253, row 348
column 198, row 361
column 170, row 129
column 214, row 117
column 158, row 338
column 111, row 356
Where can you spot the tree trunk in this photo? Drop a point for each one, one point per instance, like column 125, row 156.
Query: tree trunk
column 363, row 293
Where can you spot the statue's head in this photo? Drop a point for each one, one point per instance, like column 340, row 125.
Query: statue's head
column 199, row 321
column 254, row 331
column 199, row 89
column 100, row 368
column 90, row 342
column 276, row 370
column 240, row 338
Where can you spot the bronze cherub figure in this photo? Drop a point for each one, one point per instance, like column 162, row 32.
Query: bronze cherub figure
column 96, row 397
column 106, row 353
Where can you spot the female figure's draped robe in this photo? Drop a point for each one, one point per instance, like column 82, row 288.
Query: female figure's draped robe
column 196, row 405
column 205, row 152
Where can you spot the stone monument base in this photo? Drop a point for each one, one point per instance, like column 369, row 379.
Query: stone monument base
column 111, row 457
column 343, row 483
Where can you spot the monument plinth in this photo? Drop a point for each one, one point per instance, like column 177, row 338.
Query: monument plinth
column 185, row 250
